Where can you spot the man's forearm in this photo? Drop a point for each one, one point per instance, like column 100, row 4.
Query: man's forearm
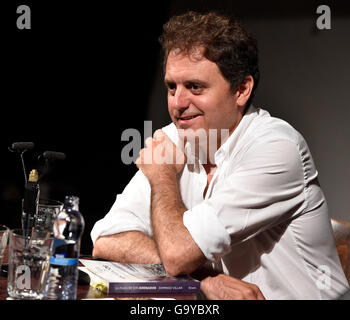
column 177, row 250
column 127, row 247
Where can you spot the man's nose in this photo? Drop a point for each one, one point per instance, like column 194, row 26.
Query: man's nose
column 181, row 98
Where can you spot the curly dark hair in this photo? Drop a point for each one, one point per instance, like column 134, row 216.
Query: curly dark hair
column 224, row 40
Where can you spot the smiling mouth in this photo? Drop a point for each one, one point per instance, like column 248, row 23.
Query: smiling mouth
column 188, row 118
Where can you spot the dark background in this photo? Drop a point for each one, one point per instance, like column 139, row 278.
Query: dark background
column 87, row 71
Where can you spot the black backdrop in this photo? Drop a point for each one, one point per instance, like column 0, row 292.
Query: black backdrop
column 73, row 83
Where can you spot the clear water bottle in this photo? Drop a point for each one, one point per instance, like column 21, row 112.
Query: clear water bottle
column 68, row 229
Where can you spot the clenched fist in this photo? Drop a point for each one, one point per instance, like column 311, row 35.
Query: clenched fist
column 161, row 157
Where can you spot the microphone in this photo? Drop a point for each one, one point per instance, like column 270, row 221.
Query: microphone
column 50, row 156
column 22, row 146
column 53, row 155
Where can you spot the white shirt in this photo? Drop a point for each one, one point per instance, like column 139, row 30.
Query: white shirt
column 264, row 218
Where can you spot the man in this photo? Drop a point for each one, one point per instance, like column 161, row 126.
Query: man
column 225, row 185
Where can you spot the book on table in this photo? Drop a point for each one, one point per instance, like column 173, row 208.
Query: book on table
column 115, row 277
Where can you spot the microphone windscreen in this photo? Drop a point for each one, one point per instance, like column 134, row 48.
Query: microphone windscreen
column 19, row 146
column 53, row 155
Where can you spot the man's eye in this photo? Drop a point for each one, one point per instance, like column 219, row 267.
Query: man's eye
column 171, row 88
column 196, row 88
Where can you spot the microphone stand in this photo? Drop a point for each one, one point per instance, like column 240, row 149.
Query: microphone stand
column 31, row 185
column 31, row 191
column 30, row 204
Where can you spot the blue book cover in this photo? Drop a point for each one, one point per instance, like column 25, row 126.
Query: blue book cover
column 115, row 277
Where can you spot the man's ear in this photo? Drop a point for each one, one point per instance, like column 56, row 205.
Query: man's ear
column 244, row 91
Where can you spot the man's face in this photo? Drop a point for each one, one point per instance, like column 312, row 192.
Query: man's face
column 199, row 97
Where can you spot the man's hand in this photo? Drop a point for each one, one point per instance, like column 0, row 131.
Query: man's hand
column 223, row 287
column 161, row 157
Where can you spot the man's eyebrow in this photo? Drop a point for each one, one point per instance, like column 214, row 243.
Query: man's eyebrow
column 168, row 82
column 196, row 81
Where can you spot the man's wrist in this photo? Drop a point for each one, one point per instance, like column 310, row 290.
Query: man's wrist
column 164, row 177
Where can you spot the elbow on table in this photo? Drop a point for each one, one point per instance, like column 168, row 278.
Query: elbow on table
column 172, row 270
column 97, row 250
column 175, row 265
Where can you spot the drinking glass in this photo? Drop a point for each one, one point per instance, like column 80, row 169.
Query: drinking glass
column 28, row 265
column 45, row 217
column 4, row 231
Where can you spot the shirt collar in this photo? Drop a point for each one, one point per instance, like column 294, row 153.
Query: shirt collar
column 228, row 146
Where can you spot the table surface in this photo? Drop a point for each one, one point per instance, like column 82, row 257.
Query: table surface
column 87, row 292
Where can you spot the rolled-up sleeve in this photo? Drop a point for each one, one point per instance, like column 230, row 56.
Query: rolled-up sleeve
column 265, row 189
column 130, row 211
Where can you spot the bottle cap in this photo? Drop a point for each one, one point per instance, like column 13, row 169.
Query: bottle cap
column 71, row 201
